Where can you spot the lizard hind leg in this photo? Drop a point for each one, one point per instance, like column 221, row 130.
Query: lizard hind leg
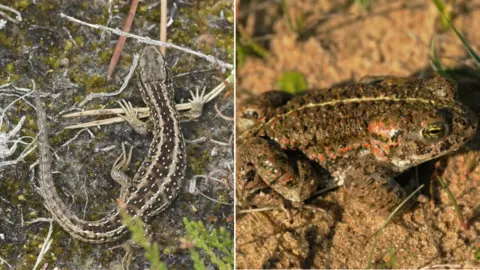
column 119, row 168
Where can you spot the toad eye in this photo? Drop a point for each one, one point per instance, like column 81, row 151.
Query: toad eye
column 435, row 131
column 250, row 114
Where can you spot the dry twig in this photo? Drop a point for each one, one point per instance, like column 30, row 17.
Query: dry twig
column 163, row 24
column 122, row 39
column 148, row 40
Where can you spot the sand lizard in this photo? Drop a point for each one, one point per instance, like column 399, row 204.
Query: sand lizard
column 159, row 178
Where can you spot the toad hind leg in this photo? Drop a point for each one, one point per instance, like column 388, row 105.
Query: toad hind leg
column 293, row 177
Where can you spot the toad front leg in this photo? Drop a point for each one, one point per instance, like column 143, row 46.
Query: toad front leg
column 290, row 174
column 374, row 187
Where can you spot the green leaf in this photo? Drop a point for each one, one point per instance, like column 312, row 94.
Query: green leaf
column 292, row 82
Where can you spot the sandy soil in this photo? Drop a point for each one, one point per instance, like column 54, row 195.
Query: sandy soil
column 341, row 43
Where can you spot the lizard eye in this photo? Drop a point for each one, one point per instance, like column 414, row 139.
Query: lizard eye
column 435, row 131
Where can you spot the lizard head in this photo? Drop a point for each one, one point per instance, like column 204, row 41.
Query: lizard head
column 152, row 65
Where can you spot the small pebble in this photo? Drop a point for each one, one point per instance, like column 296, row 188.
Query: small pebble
column 214, row 152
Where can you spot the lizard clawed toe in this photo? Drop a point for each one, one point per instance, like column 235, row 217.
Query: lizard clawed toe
column 131, row 117
column 197, row 100
column 196, row 97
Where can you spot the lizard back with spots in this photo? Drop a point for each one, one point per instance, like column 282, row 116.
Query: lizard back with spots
column 159, row 178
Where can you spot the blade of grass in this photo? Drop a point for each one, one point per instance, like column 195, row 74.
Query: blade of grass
column 263, row 53
column 460, row 217
column 285, row 12
column 445, row 12
column 387, row 221
column 435, row 61
column 392, row 262
column 470, row 50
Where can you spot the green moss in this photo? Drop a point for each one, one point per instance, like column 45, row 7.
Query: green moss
column 85, row 5
column 16, row 192
column 137, row 164
column 142, row 9
column 223, row 198
column 30, row 126
column 68, row 46
column 5, row 40
column 21, row 4
column 151, row 15
column 96, row 83
column 80, row 41
column 52, row 61
column 33, row 214
column 61, row 137
column 95, row 46
column 198, row 164
column 77, row 99
column 107, row 257
column 169, row 250
column 105, row 56
column 198, row 27
column 125, row 60
column 100, row 159
column 46, row 6
column 93, row 83
column 10, row 68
